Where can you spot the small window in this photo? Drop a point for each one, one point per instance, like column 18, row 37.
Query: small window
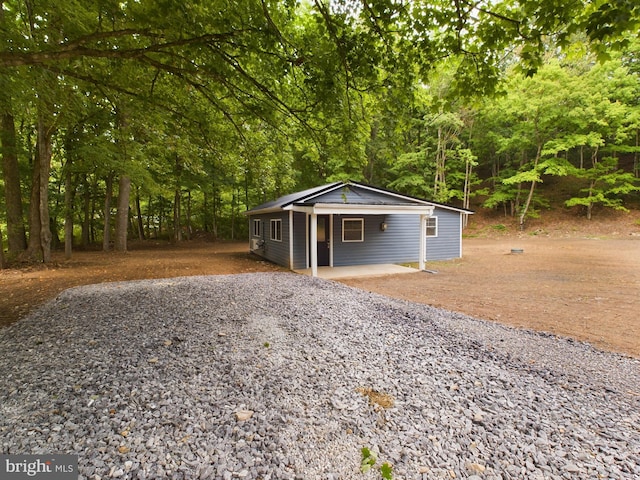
column 353, row 229
column 432, row 227
column 256, row 228
column 276, row 230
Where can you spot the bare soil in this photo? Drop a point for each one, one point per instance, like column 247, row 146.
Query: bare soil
column 580, row 280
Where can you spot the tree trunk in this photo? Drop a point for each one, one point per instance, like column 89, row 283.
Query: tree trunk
column 139, row 216
column 16, row 236
column 106, row 230
column 160, row 214
column 68, row 212
column 527, row 203
column 45, row 152
column 2, row 264
column 86, row 213
column 122, row 216
column 466, row 200
column 149, row 215
column 177, row 233
column 33, row 247
column 636, row 155
column 189, row 215
column 39, row 232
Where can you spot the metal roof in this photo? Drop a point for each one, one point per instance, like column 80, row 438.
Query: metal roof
column 358, row 194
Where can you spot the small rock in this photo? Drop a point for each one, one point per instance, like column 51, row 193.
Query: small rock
column 476, row 467
column 242, row 415
column 478, row 419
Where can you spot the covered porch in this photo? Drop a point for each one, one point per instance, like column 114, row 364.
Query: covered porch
column 331, row 273
column 312, row 229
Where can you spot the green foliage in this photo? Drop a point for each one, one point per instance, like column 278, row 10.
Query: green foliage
column 607, row 186
column 369, row 459
column 213, row 107
column 368, row 462
column 386, row 470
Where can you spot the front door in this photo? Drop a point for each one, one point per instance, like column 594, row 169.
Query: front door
column 323, row 240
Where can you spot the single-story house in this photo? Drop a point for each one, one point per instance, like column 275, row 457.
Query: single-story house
column 351, row 223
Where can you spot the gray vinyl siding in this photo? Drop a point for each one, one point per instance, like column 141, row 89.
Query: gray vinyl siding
column 447, row 244
column 300, row 239
column 277, row 252
column 400, row 243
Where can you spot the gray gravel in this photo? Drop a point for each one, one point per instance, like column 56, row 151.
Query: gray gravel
column 151, row 379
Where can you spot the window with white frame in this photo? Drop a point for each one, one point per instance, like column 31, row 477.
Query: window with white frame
column 432, row 227
column 276, row 230
column 257, row 224
column 353, row 229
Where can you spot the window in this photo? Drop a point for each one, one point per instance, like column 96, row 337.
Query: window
column 353, row 229
column 276, row 230
column 432, row 227
column 256, row 228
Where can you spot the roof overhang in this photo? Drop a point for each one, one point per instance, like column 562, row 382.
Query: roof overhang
column 361, row 209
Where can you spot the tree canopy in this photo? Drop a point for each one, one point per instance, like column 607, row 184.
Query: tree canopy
column 190, row 112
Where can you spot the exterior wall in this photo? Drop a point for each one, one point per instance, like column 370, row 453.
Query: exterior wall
column 299, row 240
column 275, row 251
column 400, row 243
column 448, row 243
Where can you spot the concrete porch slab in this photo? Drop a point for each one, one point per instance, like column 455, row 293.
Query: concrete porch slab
column 358, row 271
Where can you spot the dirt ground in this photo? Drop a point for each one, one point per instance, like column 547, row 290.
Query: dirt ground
column 580, row 284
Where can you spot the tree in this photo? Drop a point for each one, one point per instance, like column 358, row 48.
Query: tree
column 607, row 186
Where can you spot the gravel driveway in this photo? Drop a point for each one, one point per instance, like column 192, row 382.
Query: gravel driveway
column 282, row 376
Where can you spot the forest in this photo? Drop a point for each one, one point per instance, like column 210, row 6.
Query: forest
column 165, row 119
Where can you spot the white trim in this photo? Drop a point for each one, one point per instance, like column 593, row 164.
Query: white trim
column 314, row 245
column 423, row 242
column 357, row 209
column 272, row 237
column 427, row 225
column 331, row 240
column 361, row 220
column 307, row 241
column 257, row 221
column 291, row 237
column 460, row 235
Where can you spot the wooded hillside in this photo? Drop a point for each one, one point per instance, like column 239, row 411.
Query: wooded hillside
column 154, row 119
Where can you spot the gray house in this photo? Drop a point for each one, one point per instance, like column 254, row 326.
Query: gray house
column 351, row 223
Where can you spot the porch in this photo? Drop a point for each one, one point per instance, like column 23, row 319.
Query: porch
column 330, row 273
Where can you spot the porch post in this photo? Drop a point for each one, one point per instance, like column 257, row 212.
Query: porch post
column 423, row 241
column 290, row 239
column 331, row 240
column 314, row 244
